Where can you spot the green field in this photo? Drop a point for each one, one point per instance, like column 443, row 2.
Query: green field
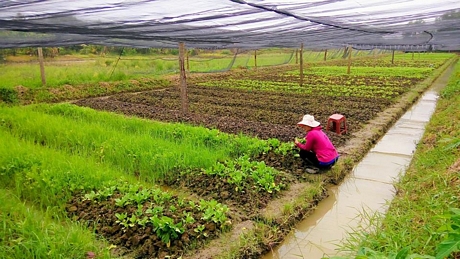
column 54, row 154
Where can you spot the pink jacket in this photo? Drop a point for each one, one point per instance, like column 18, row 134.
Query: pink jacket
column 318, row 142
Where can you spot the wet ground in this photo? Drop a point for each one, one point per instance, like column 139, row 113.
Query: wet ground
column 366, row 191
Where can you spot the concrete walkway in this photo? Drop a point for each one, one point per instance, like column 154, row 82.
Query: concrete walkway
column 366, row 191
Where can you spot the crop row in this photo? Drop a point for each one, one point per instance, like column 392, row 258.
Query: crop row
column 408, row 72
column 405, row 60
column 365, row 91
column 150, row 150
column 50, row 178
column 236, row 172
column 143, row 149
column 169, row 216
column 55, row 154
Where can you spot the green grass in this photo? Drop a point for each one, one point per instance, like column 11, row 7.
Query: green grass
column 91, row 69
column 86, row 75
column 49, row 151
column 36, row 182
column 30, row 233
column 150, row 150
column 429, row 190
column 48, row 177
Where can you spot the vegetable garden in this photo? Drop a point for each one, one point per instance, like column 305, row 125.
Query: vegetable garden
column 167, row 185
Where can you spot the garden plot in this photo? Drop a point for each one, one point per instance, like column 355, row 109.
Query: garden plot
column 160, row 189
column 125, row 199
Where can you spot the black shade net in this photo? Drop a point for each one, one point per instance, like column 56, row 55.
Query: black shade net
column 415, row 25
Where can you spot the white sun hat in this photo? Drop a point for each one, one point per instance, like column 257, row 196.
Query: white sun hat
column 309, row 120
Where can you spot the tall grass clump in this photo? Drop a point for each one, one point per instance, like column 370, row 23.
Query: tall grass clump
column 8, row 95
column 150, row 150
column 49, row 177
column 30, row 233
column 178, row 133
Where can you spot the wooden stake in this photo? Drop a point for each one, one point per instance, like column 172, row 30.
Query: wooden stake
column 325, row 55
column 301, row 65
column 42, row 66
column 393, row 57
column 183, row 79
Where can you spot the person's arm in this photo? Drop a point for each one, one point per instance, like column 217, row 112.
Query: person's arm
column 308, row 142
column 298, row 144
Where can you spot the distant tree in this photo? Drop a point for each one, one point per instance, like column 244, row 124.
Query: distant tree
column 417, row 35
column 452, row 15
column 448, row 25
column 446, row 20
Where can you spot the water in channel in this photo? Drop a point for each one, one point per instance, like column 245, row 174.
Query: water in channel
column 366, row 191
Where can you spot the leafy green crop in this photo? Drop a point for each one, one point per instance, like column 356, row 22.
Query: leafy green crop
column 238, row 172
column 159, row 209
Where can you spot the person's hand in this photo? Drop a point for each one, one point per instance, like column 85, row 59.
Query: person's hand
column 296, row 141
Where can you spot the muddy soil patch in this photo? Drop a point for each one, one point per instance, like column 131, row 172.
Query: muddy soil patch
column 255, row 113
column 165, row 236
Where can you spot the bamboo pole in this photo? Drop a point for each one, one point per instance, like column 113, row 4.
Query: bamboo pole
column 42, row 65
column 301, row 65
column 393, row 57
column 183, row 79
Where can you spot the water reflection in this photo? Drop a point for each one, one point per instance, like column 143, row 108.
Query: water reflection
column 366, row 191
column 293, row 241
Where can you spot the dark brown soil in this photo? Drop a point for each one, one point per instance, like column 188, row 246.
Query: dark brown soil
column 136, row 240
column 261, row 114
column 256, row 113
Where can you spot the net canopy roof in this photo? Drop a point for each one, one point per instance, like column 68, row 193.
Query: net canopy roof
column 416, row 25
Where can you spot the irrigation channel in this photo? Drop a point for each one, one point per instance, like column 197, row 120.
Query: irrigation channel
column 366, row 191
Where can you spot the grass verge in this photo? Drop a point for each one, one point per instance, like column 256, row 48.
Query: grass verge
column 30, row 233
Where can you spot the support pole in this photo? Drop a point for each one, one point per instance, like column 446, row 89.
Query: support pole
column 42, row 66
column 301, row 65
column 325, row 54
column 183, row 81
column 349, row 60
column 393, row 57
